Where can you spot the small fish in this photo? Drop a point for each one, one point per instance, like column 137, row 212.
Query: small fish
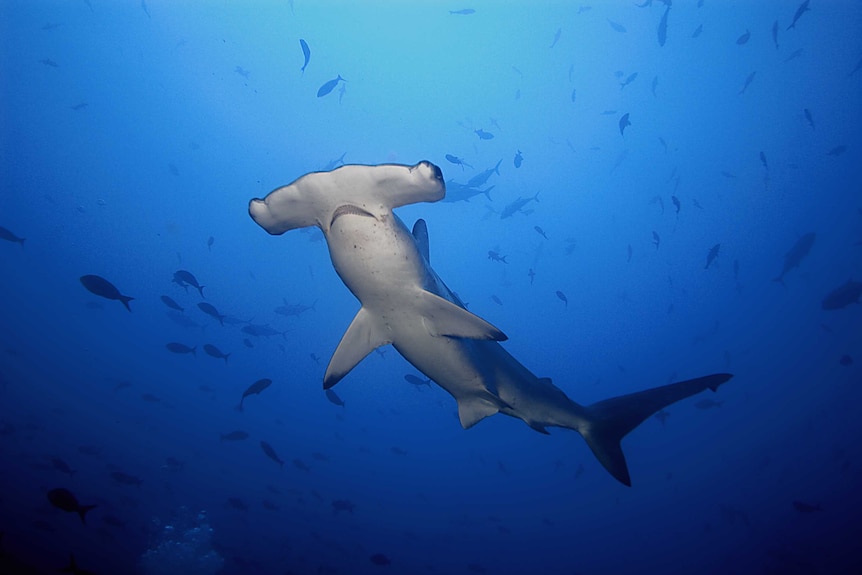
column 763, row 160
column 748, row 80
column 210, row 242
column 334, row 163
column 306, row 54
column 254, row 389
column 743, row 39
column 7, row 235
column 803, row 8
column 656, row 239
column 483, row 135
column 556, row 37
column 242, row 72
column 301, row 465
column 574, row 94
column 624, row 122
column 175, row 347
column 518, row 159
column 796, row 254
column 563, row 298
column 64, row 499
column 805, row 507
column 676, row 203
column 416, row 381
column 617, row 26
column 662, row 28
column 185, row 278
column 457, row 161
column 215, row 352
column 775, row 34
column 837, row 150
column 540, row 231
column 843, row 296
column 794, row 55
column 257, row 330
column 735, row 269
column 697, row 31
column 333, row 398
column 532, row 275
column 496, row 300
column 711, row 255
column 652, row 88
column 808, row 117
column 238, row 435
column 631, row 78
column 168, row 301
column 463, row 11
column 329, row 86
column 211, row 310
column 101, row 287
column 496, row 257
column 270, row 452
column 49, row 62
column 342, row 505
column 629, row 258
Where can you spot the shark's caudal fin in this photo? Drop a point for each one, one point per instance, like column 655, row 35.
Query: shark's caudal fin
column 610, row 420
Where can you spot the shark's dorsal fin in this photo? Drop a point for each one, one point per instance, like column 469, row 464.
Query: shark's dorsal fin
column 475, row 408
column 420, row 234
column 442, row 317
column 360, row 339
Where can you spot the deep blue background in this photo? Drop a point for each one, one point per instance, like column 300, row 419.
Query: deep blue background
column 194, row 107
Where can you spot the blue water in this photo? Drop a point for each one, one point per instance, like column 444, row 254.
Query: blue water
column 133, row 136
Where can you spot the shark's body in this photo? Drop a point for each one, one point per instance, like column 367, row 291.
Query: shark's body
column 406, row 304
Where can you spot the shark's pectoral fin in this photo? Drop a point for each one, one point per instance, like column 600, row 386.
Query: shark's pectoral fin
column 361, row 338
column 420, row 234
column 442, row 317
column 473, row 409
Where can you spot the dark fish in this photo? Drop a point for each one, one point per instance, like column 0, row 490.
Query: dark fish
column 237, row 435
column 808, row 117
column 794, row 55
column 295, row 309
column 255, row 389
column 306, row 53
column 171, row 303
column 662, row 27
column 842, row 296
column 103, row 288
column 479, row 179
column 210, row 242
column 574, row 94
column 805, row 507
column 653, row 86
column 301, row 465
column 631, row 78
column 380, row 559
column 540, row 231
column 532, row 275
column 563, row 298
column 463, row 11
column 803, row 8
column 215, row 352
column 457, row 161
column 845, row 360
column 763, row 160
column 748, row 80
column 417, row 381
column 837, row 150
column 62, row 466
column 270, row 452
column 7, row 235
column 247, row 342
column 496, row 257
column 517, row 206
column 62, row 498
column 126, row 479
column 49, row 62
column 624, row 121
column 518, row 159
column 629, row 258
column 676, row 203
column 175, row 347
column 342, row 505
column 697, row 31
column 744, row 38
column 707, row 404
column 262, row 330
column 656, row 239
column 775, row 34
column 711, row 255
column 796, row 254
column 483, row 135
column 183, row 320
column 185, row 278
column 617, row 26
column 333, row 398
column 556, row 37
column 329, row 86
column 496, row 300
column 210, row 310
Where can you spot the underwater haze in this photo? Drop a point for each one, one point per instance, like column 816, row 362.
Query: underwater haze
column 638, row 192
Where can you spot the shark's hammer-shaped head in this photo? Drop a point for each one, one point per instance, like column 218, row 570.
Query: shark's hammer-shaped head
column 319, row 197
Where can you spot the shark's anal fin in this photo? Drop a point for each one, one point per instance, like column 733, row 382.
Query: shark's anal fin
column 360, row 339
column 610, row 420
column 472, row 410
column 442, row 317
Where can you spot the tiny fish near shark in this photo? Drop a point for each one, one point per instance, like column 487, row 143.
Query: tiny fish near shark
column 426, row 322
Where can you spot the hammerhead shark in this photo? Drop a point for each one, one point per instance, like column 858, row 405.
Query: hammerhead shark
column 406, row 304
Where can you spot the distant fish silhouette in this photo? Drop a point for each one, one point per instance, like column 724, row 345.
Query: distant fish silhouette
column 796, row 254
column 563, row 298
column 624, row 121
column 329, row 86
column 185, row 278
column 171, row 303
column 803, row 8
column 617, row 26
column 270, row 452
column 843, row 296
column 748, row 80
column 457, row 161
column 7, row 235
column 333, row 398
column 483, row 135
column 656, row 239
column 211, row 311
column 556, row 37
column 463, row 11
column 837, row 150
column 215, row 352
column 101, row 287
column 64, row 499
column 306, row 53
column 805, row 507
column 711, row 255
column 808, row 117
column 744, row 38
column 662, row 28
column 176, row 347
column 631, row 78
column 697, row 31
column 254, row 389
column 775, row 34
column 518, row 159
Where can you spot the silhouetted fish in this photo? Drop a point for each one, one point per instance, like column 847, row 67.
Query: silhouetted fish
column 617, row 26
column 711, row 255
column 662, row 28
column 215, row 352
column 457, row 161
column 697, row 31
column 7, row 235
column 748, row 80
column 803, row 8
column 808, row 117
column 306, row 53
column 631, row 78
column 796, row 254
column 624, row 122
column 417, row 381
column 329, row 86
column 676, row 203
column 210, row 310
column 518, row 159
column 237, row 435
column 463, row 11
column 168, row 301
column 743, row 39
column 62, row 498
column 483, row 135
column 270, row 452
column 185, row 278
column 333, row 398
column 126, row 479
column 255, row 389
column 563, row 298
column 843, row 295
column 775, row 34
column 175, row 347
column 101, row 287
column 837, row 150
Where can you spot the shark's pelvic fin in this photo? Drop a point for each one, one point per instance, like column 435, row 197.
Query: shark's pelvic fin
column 442, row 317
column 472, row 410
column 360, row 339
column 610, row 420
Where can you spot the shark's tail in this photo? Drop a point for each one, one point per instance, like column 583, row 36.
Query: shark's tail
column 608, row 421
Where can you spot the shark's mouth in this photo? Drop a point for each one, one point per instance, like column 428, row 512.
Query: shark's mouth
column 348, row 209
